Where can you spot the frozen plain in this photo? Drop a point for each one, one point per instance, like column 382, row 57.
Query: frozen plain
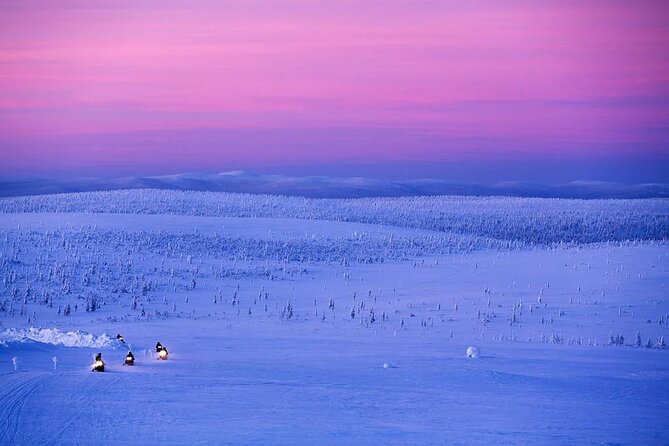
column 294, row 321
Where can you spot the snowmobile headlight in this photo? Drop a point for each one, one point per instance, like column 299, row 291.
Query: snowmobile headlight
column 98, row 363
column 162, row 353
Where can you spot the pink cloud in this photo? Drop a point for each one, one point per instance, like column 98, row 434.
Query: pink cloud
column 545, row 77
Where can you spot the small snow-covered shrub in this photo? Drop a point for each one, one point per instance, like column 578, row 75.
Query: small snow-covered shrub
column 473, row 352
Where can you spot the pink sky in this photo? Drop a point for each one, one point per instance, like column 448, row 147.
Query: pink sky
column 169, row 86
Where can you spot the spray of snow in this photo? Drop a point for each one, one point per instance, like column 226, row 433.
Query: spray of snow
column 56, row 337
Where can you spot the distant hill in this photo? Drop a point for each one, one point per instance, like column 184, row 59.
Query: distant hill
column 328, row 186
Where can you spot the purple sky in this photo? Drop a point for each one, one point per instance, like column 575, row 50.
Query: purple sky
column 468, row 90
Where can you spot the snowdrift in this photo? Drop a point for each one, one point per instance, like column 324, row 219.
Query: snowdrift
column 56, row 337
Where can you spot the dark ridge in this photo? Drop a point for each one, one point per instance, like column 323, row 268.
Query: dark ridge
column 328, row 187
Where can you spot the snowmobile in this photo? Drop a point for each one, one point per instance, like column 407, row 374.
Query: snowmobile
column 120, row 338
column 129, row 359
column 162, row 351
column 99, row 364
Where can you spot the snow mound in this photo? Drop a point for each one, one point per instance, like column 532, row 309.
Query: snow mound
column 473, row 352
column 56, row 337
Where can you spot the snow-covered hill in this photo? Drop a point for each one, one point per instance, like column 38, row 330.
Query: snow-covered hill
column 515, row 220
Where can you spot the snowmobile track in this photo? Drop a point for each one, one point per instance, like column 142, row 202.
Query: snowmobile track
column 84, row 403
column 14, row 397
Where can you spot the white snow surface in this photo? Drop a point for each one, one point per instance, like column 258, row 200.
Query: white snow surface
column 292, row 321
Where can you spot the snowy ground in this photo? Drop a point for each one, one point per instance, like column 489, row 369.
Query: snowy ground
column 284, row 330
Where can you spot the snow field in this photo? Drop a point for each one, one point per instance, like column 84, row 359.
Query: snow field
column 295, row 321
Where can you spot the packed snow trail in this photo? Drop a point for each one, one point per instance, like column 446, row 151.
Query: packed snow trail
column 16, row 390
